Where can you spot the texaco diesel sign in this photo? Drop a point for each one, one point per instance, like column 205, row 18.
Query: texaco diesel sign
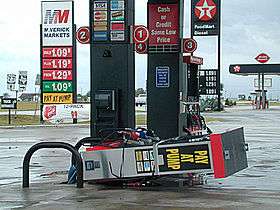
column 205, row 17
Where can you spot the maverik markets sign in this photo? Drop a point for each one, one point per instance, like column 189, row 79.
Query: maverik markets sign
column 205, row 17
column 58, row 53
column 57, row 23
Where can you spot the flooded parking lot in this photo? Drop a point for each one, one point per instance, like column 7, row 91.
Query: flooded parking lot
column 254, row 188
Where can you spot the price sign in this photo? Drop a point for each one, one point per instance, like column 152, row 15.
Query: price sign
column 57, row 87
column 57, row 75
column 57, row 63
column 57, row 52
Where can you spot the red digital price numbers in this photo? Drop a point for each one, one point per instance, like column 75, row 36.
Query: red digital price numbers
column 57, row 75
column 57, row 52
column 57, row 64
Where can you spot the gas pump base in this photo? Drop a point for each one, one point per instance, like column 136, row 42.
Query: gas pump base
column 219, row 154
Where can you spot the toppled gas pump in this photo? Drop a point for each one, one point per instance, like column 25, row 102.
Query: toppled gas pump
column 128, row 155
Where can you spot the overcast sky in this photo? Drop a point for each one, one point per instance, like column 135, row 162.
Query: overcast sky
column 248, row 28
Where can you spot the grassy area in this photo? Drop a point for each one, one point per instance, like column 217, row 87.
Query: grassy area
column 28, row 106
column 19, row 120
column 213, row 119
column 274, row 103
column 25, row 106
column 141, row 119
column 34, row 120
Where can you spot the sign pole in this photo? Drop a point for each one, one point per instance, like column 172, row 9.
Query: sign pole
column 219, row 74
column 263, row 93
column 219, row 60
column 259, row 88
column 41, row 80
column 9, row 117
column 16, row 99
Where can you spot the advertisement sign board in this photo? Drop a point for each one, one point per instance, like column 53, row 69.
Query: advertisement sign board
column 57, row 23
column 205, row 17
column 163, row 24
column 58, row 52
column 62, row 113
column 57, row 98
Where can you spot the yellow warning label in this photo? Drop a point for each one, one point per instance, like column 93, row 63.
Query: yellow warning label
column 57, row 98
column 175, row 160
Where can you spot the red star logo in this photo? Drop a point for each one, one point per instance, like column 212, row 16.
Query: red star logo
column 205, row 10
column 236, row 69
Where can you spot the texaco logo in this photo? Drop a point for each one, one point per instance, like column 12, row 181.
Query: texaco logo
column 236, row 69
column 205, row 10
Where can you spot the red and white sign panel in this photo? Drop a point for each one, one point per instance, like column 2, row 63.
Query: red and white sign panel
column 83, row 35
column 57, row 52
column 140, row 34
column 205, row 10
column 189, row 45
column 141, row 48
column 57, row 75
column 262, row 58
column 57, row 64
column 57, row 23
column 193, row 60
column 163, row 24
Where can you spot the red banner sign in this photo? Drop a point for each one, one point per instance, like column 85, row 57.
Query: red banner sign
column 57, row 64
column 57, row 75
column 57, row 52
column 163, row 24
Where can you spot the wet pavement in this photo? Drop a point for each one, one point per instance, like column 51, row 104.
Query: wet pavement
column 257, row 187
